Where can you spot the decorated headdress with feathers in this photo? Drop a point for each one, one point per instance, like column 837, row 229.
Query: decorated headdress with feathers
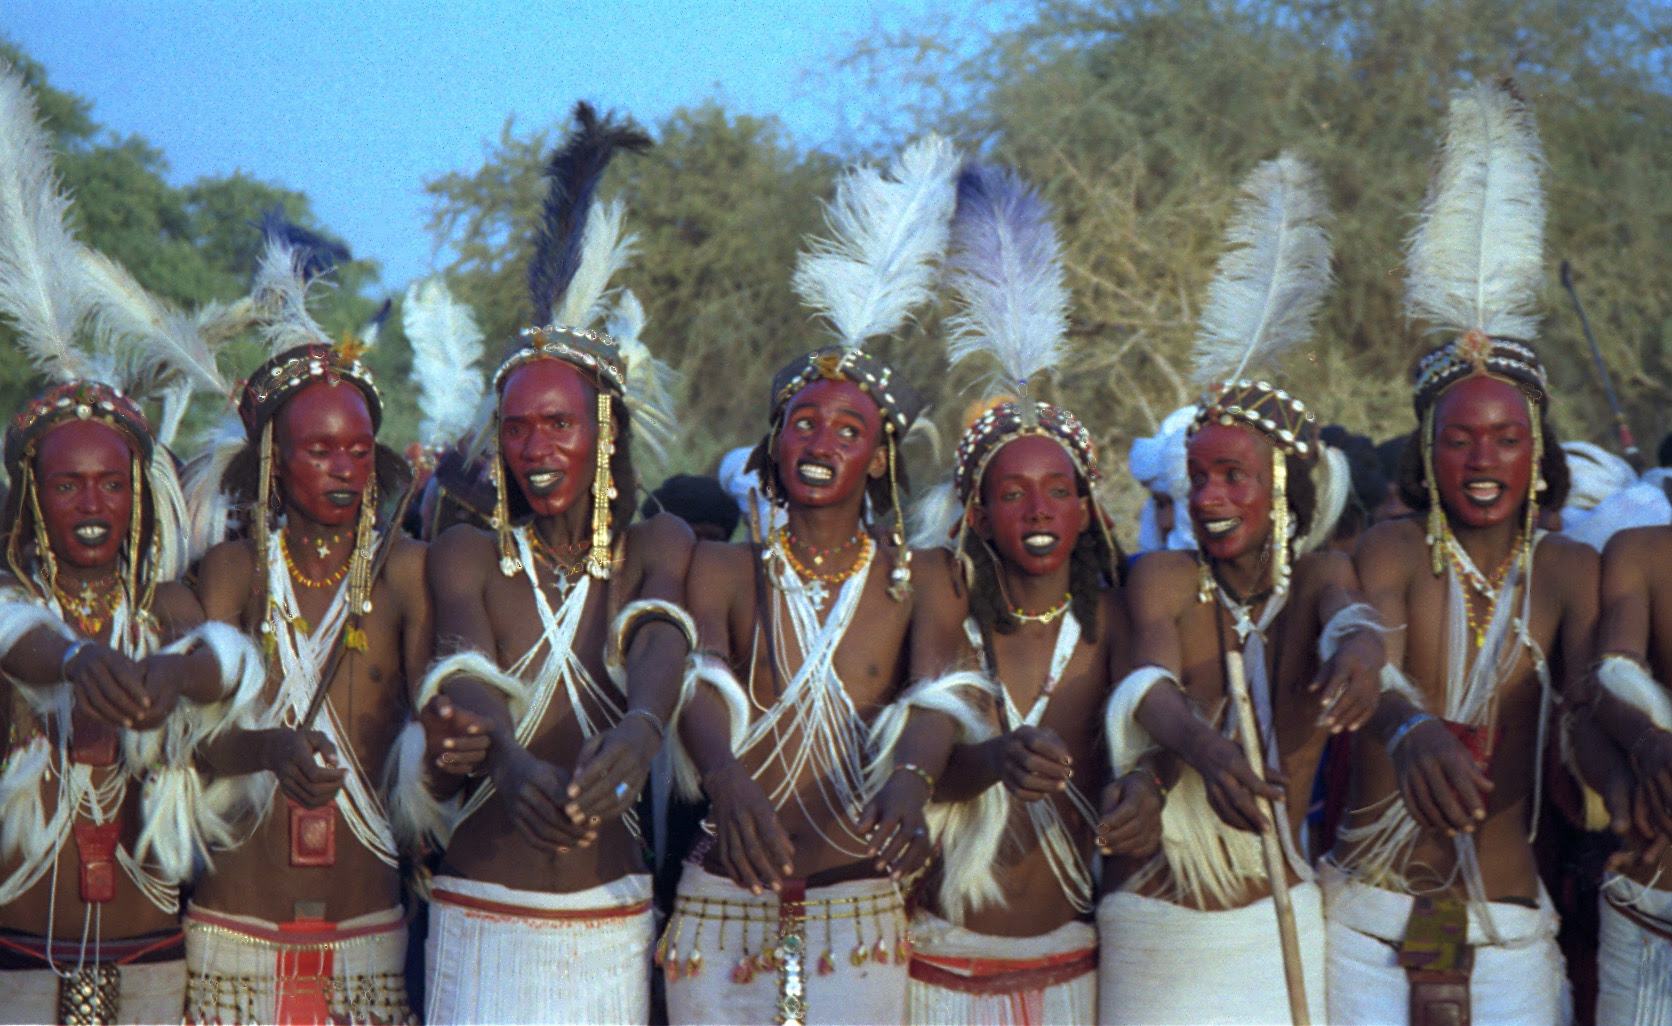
column 1269, row 284
column 1474, row 268
column 1006, row 269
column 888, row 233
column 580, row 243
column 106, row 346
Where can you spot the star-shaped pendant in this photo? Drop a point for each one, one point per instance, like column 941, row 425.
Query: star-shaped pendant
column 322, row 547
column 817, row 593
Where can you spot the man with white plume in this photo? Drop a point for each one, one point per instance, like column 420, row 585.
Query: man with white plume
column 1251, row 644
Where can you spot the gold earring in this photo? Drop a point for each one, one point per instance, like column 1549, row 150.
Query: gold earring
column 509, row 564
column 603, row 490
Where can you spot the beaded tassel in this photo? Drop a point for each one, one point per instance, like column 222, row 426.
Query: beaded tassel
column 603, row 490
column 860, row 953
column 509, row 564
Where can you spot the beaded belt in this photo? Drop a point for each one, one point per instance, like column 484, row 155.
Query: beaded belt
column 782, row 930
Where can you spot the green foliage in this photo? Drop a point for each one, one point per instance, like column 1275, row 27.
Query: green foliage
column 188, row 245
column 719, row 207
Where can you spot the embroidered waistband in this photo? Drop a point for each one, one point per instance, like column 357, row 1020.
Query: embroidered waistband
column 27, row 951
column 987, row 976
column 521, row 912
column 327, row 936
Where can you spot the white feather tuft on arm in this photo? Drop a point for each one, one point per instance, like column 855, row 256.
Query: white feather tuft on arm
column 604, row 251
column 1476, row 258
column 888, row 234
column 1273, row 275
column 446, row 345
column 41, row 287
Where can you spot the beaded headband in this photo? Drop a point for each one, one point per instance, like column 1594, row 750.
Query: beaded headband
column 1267, row 409
column 898, row 401
column 275, row 381
column 75, row 400
column 587, row 350
column 1002, row 424
column 1475, row 353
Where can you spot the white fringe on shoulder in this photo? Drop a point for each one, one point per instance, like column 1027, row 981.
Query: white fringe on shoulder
column 968, row 832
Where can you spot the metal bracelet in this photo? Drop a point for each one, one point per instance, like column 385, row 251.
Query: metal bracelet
column 69, row 656
column 656, row 723
column 923, row 774
column 1405, row 728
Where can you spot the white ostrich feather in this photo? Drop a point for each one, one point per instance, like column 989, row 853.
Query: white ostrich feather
column 888, row 234
column 208, row 508
column 280, row 296
column 446, row 345
column 1006, row 268
column 155, row 345
column 1476, row 258
column 41, row 287
column 934, row 517
column 604, row 251
column 1272, row 276
column 652, row 386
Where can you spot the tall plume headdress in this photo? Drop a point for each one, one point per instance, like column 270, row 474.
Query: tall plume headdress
column 105, row 345
column 1270, row 282
column 1474, row 268
column 579, row 246
column 1006, row 269
column 888, row 232
column 446, row 351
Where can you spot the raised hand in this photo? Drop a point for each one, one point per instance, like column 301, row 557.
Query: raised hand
column 751, row 843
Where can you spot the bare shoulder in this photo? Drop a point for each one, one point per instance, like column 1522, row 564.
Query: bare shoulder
column 1114, row 616
column 176, row 608
column 1572, row 561
column 224, row 579
column 1162, row 583
column 1324, row 568
column 460, row 548
column 720, row 565
column 1639, row 547
column 664, row 540
column 1391, row 548
column 407, row 559
column 936, row 576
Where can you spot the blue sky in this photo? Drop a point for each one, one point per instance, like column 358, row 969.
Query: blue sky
column 357, row 103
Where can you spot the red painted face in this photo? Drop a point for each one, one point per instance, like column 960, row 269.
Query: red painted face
column 1230, row 490
column 1483, row 451
column 83, row 472
column 1030, row 510
column 548, row 433
column 326, row 451
column 830, row 443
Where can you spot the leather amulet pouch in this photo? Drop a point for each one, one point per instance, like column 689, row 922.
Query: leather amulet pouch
column 92, row 741
column 313, row 834
column 1437, row 960
column 95, row 848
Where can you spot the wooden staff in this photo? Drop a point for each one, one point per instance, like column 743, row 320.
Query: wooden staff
column 1277, row 867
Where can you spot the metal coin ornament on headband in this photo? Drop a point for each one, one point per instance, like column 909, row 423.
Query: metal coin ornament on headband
column 1005, row 422
column 1283, row 419
column 1474, row 269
